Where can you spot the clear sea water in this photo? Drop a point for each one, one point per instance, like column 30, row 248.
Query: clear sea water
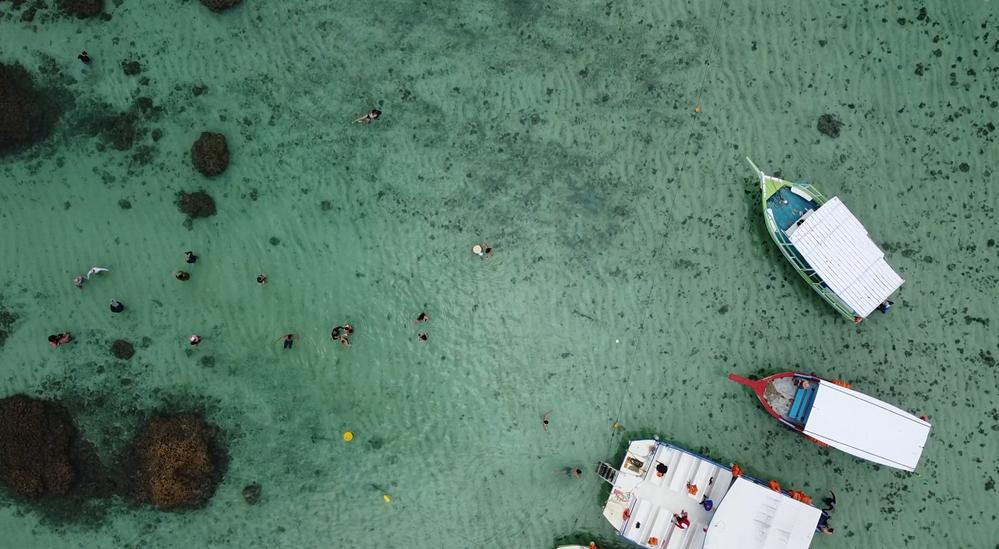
column 631, row 274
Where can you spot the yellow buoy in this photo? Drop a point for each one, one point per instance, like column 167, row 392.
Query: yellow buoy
column 386, row 498
column 348, row 436
column 615, row 425
column 697, row 109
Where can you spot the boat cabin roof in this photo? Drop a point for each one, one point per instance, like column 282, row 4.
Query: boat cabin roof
column 756, row 516
column 837, row 246
column 866, row 427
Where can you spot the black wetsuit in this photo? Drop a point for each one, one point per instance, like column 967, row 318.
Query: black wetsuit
column 191, row 258
column 336, row 332
column 117, row 307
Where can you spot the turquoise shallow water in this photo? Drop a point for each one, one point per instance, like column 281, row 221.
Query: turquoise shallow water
column 631, row 272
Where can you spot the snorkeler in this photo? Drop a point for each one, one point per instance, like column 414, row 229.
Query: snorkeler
column 262, row 279
column 182, row 275
column 375, row 113
column 336, row 332
column 78, row 282
column 289, row 340
column 424, row 317
column 830, row 502
column 194, row 339
column 117, row 306
column 571, row 472
column 190, row 257
column 422, row 338
column 483, row 251
column 59, row 339
column 84, row 57
column 96, row 270
column 544, row 420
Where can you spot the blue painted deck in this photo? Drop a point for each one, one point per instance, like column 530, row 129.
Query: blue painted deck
column 787, row 214
column 802, row 406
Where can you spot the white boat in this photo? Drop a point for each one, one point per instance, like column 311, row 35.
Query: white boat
column 658, row 481
column 831, row 413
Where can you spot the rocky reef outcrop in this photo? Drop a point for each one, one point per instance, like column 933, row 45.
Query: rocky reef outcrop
column 83, row 8
column 219, row 6
column 829, row 125
column 210, row 154
column 176, row 463
column 27, row 116
column 196, row 204
column 36, row 442
column 122, row 349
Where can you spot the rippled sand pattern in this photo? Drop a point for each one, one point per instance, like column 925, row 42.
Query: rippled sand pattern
column 631, row 272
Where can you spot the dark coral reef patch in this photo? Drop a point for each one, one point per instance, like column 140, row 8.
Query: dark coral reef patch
column 210, row 154
column 177, row 462
column 36, row 440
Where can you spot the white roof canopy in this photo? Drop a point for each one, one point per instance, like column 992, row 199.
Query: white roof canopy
column 866, row 427
column 836, row 245
column 755, row 517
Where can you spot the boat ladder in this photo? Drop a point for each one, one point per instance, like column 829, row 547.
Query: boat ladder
column 607, row 472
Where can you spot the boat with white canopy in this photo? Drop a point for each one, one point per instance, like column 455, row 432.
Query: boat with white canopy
column 828, row 246
column 831, row 413
column 667, row 497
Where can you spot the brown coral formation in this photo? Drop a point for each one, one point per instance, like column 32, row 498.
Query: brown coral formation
column 175, row 466
column 219, row 6
column 210, row 154
column 122, row 349
column 26, row 116
column 36, row 439
column 197, row 204
column 83, row 8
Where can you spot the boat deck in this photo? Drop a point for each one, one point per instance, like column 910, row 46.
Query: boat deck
column 788, row 207
column 652, row 498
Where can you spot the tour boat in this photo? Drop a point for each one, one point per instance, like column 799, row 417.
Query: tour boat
column 828, row 246
column 831, row 413
column 667, row 497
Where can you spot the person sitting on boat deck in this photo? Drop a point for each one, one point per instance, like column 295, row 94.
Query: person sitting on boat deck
column 800, row 382
column 707, row 503
column 681, row 521
column 823, row 525
column 830, row 502
column 661, row 469
column 885, row 306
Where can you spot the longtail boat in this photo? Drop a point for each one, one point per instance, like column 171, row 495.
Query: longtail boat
column 831, row 413
column 828, row 246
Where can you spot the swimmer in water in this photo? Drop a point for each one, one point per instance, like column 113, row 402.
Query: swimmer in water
column 544, row 420
column 84, row 57
column 59, row 339
column 336, row 332
column 116, row 306
column 289, row 340
column 182, row 275
column 830, row 502
column 344, row 341
column 78, row 282
column 424, row 317
column 96, row 270
column 422, row 337
column 483, row 251
column 571, row 472
column 190, row 257
column 375, row 113
column 262, row 279
column 194, row 339
column 349, row 328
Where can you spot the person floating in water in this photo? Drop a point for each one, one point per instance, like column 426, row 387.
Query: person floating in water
column 375, row 113
column 182, row 275
column 885, row 306
column 194, row 339
column 422, row 338
column 289, row 340
column 96, row 270
column 262, row 279
column 830, row 502
column 116, row 306
column 571, row 472
column 78, row 282
column 190, row 257
column 58, row 339
column 544, row 420
column 483, row 251
column 823, row 525
column 424, row 317
column 84, row 57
